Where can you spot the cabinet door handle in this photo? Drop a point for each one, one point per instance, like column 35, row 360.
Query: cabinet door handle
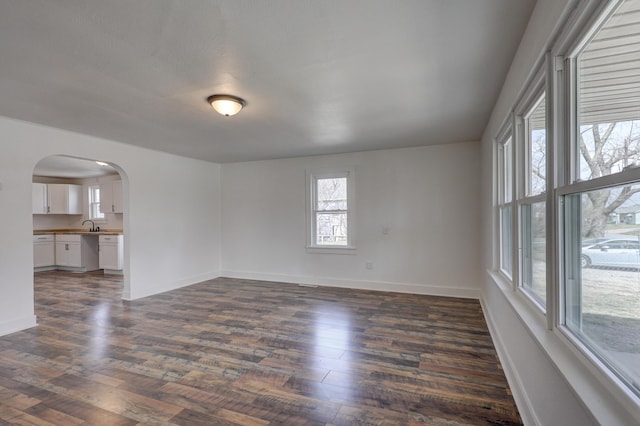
column 66, row 247
column 48, row 209
column 113, row 208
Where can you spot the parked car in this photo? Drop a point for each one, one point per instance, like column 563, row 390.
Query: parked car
column 593, row 241
column 615, row 252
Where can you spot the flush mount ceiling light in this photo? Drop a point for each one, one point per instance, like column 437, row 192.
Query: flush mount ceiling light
column 226, row 105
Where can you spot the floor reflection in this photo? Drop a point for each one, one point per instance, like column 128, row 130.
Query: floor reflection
column 332, row 329
column 100, row 332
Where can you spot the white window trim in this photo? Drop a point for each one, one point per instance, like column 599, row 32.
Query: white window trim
column 312, row 176
column 537, row 89
column 607, row 398
column 573, row 185
column 89, row 199
column 504, row 135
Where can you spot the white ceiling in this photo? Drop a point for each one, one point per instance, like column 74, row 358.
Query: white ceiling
column 318, row 76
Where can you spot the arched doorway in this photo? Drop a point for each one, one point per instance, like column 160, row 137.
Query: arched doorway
column 79, row 216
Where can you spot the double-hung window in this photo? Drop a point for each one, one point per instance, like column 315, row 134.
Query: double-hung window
column 505, row 201
column 94, row 203
column 522, row 193
column 330, row 211
column 568, row 206
column 601, row 201
column 532, row 201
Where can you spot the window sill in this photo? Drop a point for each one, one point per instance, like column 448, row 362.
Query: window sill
column 349, row 250
column 607, row 398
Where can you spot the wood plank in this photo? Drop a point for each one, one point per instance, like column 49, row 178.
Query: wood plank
column 231, row 351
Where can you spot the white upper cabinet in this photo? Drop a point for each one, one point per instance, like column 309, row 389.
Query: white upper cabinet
column 56, row 198
column 64, row 198
column 39, row 198
column 111, row 197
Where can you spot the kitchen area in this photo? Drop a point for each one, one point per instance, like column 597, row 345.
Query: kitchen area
column 77, row 216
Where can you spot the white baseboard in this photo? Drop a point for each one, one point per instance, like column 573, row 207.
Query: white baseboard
column 412, row 288
column 19, row 324
column 44, row 268
column 527, row 413
column 138, row 293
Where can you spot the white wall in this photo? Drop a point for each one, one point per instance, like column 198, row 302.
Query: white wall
column 428, row 197
column 538, row 365
column 172, row 224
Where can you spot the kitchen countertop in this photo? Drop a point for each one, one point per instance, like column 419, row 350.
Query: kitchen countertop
column 77, row 231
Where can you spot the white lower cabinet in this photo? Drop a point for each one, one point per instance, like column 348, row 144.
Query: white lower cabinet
column 111, row 253
column 43, row 251
column 78, row 252
column 68, row 254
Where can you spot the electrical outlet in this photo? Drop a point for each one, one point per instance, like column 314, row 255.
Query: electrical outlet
column 368, row 264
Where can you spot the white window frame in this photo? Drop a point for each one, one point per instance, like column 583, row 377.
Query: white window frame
column 573, row 185
column 311, row 182
column 522, row 172
column 608, row 399
column 505, row 198
column 90, row 203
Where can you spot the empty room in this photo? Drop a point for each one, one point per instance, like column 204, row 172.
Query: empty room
column 357, row 212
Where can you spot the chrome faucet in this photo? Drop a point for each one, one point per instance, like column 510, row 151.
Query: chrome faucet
column 93, row 228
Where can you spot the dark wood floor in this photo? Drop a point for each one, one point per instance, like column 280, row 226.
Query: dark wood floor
column 249, row 353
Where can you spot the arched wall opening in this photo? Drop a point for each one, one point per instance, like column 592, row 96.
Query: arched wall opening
column 97, row 198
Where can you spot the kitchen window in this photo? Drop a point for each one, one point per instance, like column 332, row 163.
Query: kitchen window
column 94, row 203
column 330, row 211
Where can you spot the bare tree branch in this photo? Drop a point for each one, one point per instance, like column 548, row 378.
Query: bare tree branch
column 624, row 195
column 584, row 151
